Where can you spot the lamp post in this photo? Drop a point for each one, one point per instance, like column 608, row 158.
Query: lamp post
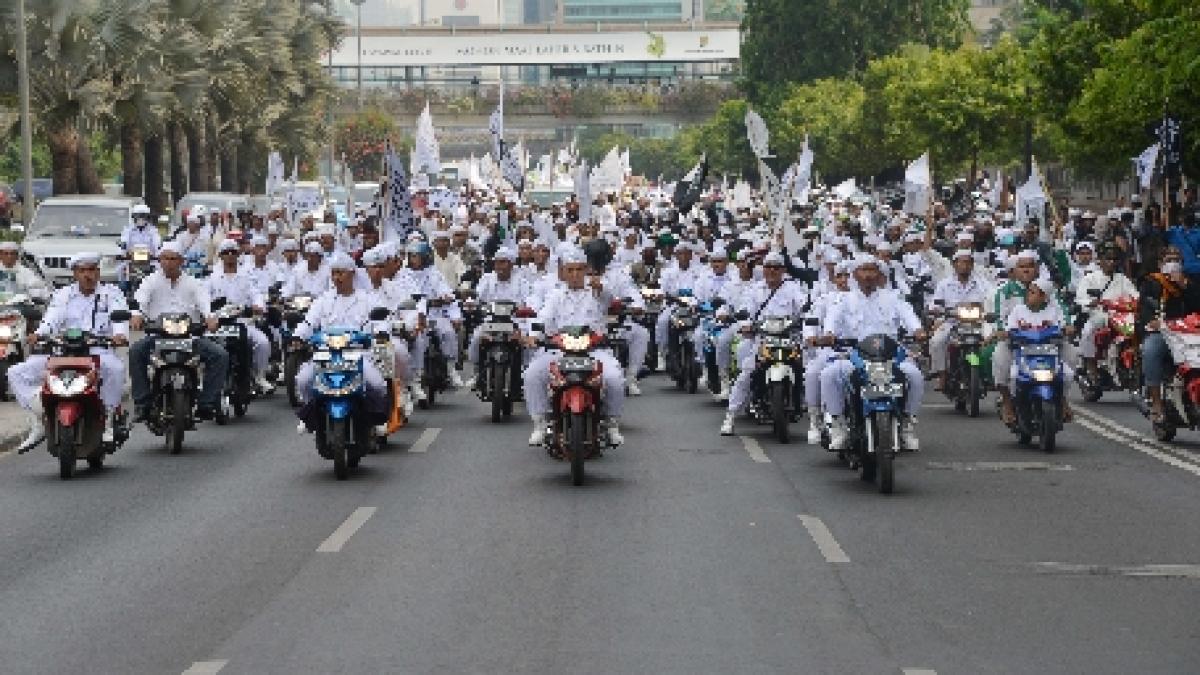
column 358, row 34
column 26, row 123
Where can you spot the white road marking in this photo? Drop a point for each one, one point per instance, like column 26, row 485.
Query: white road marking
column 205, row 668
column 1176, row 571
column 1143, row 448
column 1139, row 436
column 755, row 450
column 340, row 536
column 425, row 440
column 919, row 671
column 824, row 540
column 1000, row 466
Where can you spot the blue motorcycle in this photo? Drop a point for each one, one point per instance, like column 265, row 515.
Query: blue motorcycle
column 338, row 412
column 1039, row 385
column 875, row 397
column 711, row 325
column 195, row 265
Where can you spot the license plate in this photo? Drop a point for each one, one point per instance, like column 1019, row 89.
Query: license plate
column 498, row 327
column 173, row 346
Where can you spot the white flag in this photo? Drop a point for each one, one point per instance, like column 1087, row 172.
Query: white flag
column 757, row 134
column 1146, row 162
column 918, row 186
column 846, row 189
column 1031, row 198
column 583, row 191
column 426, row 151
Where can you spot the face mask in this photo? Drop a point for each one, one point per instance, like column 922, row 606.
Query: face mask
column 1172, row 267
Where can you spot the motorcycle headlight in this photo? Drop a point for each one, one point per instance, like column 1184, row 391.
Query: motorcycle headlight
column 972, row 313
column 1043, row 375
column 300, row 303
column 576, row 343
column 321, row 356
column 7, row 332
column 879, row 374
column 176, row 326
column 67, row 384
column 141, row 255
column 337, row 341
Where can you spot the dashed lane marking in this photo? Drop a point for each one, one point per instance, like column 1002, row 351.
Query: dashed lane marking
column 755, row 450
column 999, row 466
column 425, row 440
column 919, row 671
column 824, row 540
column 205, row 668
column 342, row 534
column 1171, row 571
column 1141, row 447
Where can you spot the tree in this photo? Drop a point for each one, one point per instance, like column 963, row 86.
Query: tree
column 830, row 113
column 790, row 41
column 723, row 140
column 362, row 139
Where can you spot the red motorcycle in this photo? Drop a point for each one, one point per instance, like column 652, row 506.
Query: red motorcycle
column 74, row 414
column 574, row 429
column 1181, row 392
column 1118, row 354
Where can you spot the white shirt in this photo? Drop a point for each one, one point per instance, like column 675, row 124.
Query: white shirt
column 492, row 289
column 146, row 235
column 157, row 295
column 675, row 279
column 333, row 310
column 953, row 292
column 789, row 300
column 881, row 312
column 1117, row 286
column 1022, row 317
column 198, row 243
column 303, row 282
column 236, row 289
column 70, row 308
column 583, row 307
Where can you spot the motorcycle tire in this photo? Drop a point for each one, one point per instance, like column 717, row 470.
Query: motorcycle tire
column 1090, row 391
column 1049, row 426
column 181, row 411
column 577, row 424
column 5, row 394
column 693, row 377
column 883, row 428
column 291, row 365
column 779, row 416
column 96, row 461
column 1164, row 431
column 66, row 451
column 338, row 440
column 974, row 392
column 499, row 394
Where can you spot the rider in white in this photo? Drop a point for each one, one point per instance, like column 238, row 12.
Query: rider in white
column 499, row 285
column 17, row 279
column 1112, row 285
column 869, row 310
column 963, row 287
column 140, row 233
column 819, row 356
column 85, row 305
column 229, row 283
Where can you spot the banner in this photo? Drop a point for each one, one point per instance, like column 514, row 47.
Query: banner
column 399, row 219
column 757, row 134
column 1145, row 164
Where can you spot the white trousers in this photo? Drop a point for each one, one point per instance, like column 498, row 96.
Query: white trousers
column 813, row 368
column 537, row 382
column 1087, row 336
column 836, row 372
column 26, row 379
column 938, row 346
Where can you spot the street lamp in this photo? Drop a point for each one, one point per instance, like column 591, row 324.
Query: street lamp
column 358, row 33
column 26, row 122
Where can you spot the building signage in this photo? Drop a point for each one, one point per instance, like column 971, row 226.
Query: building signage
column 539, row 48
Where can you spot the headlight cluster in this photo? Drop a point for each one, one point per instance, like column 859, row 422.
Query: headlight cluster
column 176, row 326
column 67, row 384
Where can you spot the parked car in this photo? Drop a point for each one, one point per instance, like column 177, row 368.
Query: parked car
column 219, row 201
column 64, row 226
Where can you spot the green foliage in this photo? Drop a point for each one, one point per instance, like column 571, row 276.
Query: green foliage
column 830, row 113
column 650, row 157
column 10, row 158
column 723, row 140
column 362, row 139
column 790, row 41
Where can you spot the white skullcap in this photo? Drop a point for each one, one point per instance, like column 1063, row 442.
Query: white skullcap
column 572, row 256
column 962, row 253
column 86, row 258
column 194, row 218
column 289, row 245
column 341, row 261
column 457, row 229
column 832, row 255
column 842, row 268
column 884, row 246
column 718, row 253
column 440, row 234
column 9, row 246
column 325, row 230
column 313, row 247
column 1027, row 254
column 1044, row 285
column 774, row 258
column 374, row 256
column 227, row 245
column 505, row 253
column 171, row 247
column 260, row 241
column 863, row 260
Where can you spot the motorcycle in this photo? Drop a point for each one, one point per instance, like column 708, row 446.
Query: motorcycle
column 174, row 378
column 1038, row 386
column 774, row 378
column 194, row 265
column 17, row 312
column 654, row 300
column 343, row 425
column 574, row 430
column 966, row 381
column 384, row 359
column 1118, row 353
column 233, row 337
column 499, row 377
column 138, row 265
column 875, row 397
column 295, row 352
column 75, row 417
column 615, row 331
column 435, row 373
column 681, row 350
column 1181, row 393
column 712, row 324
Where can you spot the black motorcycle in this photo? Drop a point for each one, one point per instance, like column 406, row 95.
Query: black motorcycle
column 435, row 372
column 174, row 378
column 966, row 381
column 233, row 337
column 681, row 349
column 654, row 300
column 775, row 378
column 499, row 378
column 295, row 352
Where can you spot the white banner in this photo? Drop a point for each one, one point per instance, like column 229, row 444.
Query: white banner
column 466, row 47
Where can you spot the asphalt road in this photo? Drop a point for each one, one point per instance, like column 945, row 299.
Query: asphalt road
column 686, row 552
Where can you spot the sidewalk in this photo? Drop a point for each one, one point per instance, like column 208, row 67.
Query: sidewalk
column 14, row 426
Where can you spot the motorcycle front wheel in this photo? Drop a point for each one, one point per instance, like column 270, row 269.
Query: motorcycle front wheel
column 691, row 374
column 974, row 392
column 779, row 414
column 883, row 428
column 499, row 393
column 291, row 364
column 66, row 451
column 577, row 424
column 1049, row 425
column 338, row 440
column 181, row 410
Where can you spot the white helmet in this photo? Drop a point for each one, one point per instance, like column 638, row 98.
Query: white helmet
column 141, row 210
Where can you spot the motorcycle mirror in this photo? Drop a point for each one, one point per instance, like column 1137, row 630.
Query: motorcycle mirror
column 538, row 327
column 742, row 315
column 379, row 314
column 132, row 304
column 1095, row 292
column 119, row 315
column 217, row 304
column 812, row 321
column 939, row 303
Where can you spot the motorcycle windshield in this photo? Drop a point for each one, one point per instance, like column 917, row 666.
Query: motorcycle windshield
column 1037, row 335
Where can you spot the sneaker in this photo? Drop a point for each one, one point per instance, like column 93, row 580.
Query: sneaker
column 726, row 388
column 614, row 433
column 632, row 387
column 539, row 430
column 727, row 425
column 814, row 426
column 37, row 434
column 264, row 385
column 839, row 437
column 908, row 433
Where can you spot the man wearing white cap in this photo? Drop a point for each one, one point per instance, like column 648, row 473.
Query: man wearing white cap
column 499, row 285
column 261, row 272
column 446, row 261
column 446, row 317
column 197, row 238
column 342, row 306
column 962, row 288
column 239, row 289
column 390, row 294
column 870, row 309
column 1110, row 284
column 575, row 305
column 85, row 305
column 817, row 356
column 16, row 278
column 168, row 290
column 310, row 277
column 777, row 297
column 141, row 232
column 682, row 276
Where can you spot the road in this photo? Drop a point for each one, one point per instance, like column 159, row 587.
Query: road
column 464, row 550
